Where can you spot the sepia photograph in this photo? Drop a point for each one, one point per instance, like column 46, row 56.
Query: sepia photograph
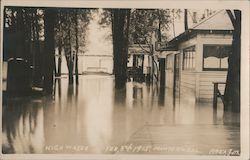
column 117, row 80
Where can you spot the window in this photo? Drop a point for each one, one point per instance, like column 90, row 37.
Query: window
column 188, row 58
column 215, row 57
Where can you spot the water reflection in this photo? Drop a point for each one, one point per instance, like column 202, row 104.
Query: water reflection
column 95, row 115
column 70, row 93
column 59, row 88
column 161, row 100
column 137, row 92
column 119, row 96
column 23, row 130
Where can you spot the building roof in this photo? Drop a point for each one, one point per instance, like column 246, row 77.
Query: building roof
column 218, row 22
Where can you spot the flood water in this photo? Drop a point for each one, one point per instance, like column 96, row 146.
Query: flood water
column 93, row 117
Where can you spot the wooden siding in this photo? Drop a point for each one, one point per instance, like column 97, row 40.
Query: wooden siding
column 199, row 83
column 169, row 72
column 187, row 83
column 206, row 84
column 169, row 78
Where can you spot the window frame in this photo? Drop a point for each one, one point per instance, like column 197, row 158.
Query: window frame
column 190, row 57
column 203, row 59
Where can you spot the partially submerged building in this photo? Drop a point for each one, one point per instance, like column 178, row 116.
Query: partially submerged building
column 200, row 57
column 139, row 61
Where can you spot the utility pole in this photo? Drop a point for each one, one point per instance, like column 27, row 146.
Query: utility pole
column 185, row 20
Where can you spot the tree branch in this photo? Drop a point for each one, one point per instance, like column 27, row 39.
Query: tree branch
column 230, row 14
column 144, row 49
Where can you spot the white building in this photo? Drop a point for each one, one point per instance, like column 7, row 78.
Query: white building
column 200, row 57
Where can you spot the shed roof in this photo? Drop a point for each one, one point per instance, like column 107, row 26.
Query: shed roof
column 217, row 21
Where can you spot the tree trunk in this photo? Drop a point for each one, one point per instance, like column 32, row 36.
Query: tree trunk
column 77, row 47
column 49, row 51
column 120, row 45
column 68, row 52
column 118, row 27
column 125, row 45
column 232, row 90
column 59, row 67
column 159, row 32
column 20, row 34
column 38, row 57
column 159, row 27
column 34, row 50
column 18, row 75
column 60, row 38
column 173, row 23
column 70, row 61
